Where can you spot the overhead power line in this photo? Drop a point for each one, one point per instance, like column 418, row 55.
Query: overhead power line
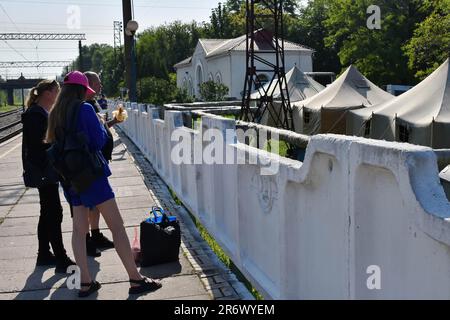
column 15, row 50
column 111, row 5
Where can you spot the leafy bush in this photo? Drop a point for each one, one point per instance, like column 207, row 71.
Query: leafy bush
column 212, row 91
column 159, row 91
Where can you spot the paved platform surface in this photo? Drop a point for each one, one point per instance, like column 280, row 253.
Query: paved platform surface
column 197, row 275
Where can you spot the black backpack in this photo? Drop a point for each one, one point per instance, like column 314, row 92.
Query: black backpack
column 71, row 157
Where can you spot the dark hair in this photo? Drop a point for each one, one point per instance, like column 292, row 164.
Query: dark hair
column 69, row 94
column 36, row 92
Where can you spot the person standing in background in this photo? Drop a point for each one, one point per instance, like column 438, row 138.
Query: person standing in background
column 102, row 102
column 96, row 240
column 39, row 174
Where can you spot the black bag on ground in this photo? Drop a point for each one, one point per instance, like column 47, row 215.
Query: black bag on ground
column 71, row 157
column 160, row 239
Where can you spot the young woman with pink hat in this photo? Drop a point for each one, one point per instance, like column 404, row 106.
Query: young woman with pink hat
column 99, row 194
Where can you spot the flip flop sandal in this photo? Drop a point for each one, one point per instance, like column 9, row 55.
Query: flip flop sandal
column 94, row 286
column 145, row 285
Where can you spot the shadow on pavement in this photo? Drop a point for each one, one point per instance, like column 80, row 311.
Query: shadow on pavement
column 30, row 291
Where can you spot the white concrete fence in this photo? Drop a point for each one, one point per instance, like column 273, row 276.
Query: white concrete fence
column 358, row 219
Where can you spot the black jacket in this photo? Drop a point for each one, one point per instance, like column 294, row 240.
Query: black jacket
column 37, row 170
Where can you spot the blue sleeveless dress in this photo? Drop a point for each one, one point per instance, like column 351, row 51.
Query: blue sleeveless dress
column 100, row 191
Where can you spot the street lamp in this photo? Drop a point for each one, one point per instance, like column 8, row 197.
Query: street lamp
column 132, row 27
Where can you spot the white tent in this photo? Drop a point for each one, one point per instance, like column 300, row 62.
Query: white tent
column 326, row 111
column 300, row 86
column 358, row 121
column 420, row 116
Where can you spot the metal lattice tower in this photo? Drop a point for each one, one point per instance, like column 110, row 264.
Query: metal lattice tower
column 42, row 36
column 33, row 64
column 265, row 54
column 49, row 36
column 117, row 36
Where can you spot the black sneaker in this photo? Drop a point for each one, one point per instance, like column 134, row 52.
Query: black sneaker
column 91, row 249
column 102, row 242
column 45, row 259
column 63, row 264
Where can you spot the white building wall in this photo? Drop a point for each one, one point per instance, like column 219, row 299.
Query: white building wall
column 220, row 66
column 238, row 69
column 232, row 68
column 184, row 77
column 302, row 61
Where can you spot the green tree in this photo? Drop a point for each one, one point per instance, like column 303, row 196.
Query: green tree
column 212, row 91
column 310, row 30
column 102, row 59
column 234, row 5
column 220, row 23
column 377, row 53
column 289, row 6
column 155, row 90
column 430, row 45
column 159, row 48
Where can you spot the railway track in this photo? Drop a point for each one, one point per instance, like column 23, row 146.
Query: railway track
column 9, row 128
column 9, row 113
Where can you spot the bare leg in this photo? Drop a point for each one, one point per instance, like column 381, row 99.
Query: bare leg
column 112, row 217
column 94, row 219
column 80, row 228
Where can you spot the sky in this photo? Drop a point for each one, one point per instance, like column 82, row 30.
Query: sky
column 96, row 19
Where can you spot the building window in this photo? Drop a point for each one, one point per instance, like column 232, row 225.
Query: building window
column 199, row 75
column 210, row 77
column 306, row 117
column 218, row 78
column 403, row 131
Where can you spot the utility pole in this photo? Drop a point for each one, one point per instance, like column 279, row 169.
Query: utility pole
column 117, row 41
column 22, row 79
column 80, row 50
column 128, row 42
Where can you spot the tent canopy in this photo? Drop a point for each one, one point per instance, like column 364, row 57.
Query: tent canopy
column 429, row 99
column 420, row 115
column 350, row 90
column 326, row 111
column 300, row 86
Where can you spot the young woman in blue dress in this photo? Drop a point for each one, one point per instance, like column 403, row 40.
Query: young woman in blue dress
column 99, row 194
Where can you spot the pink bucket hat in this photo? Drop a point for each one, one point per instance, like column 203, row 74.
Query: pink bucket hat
column 77, row 77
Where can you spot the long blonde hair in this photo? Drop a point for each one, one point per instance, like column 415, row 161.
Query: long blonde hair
column 66, row 101
column 36, row 92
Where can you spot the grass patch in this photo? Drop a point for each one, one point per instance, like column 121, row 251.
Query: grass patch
column 230, row 116
column 196, row 123
column 1, row 220
column 8, row 108
column 277, row 147
column 175, row 198
column 218, row 250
